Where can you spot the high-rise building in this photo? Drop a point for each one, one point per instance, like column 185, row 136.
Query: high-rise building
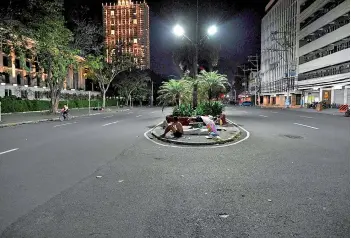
column 279, row 53
column 324, row 51
column 314, row 37
column 126, row 26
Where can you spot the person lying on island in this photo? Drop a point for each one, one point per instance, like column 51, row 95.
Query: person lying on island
column 176, row 127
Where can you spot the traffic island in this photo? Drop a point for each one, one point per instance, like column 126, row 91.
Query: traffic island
column 228, row 133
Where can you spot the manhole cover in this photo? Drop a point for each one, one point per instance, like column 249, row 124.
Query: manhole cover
column 293, row 136
column 159, row 158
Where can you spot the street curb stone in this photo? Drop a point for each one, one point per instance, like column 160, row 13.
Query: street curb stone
column 231, row 139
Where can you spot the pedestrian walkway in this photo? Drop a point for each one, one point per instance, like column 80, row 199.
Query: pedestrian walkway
column 34, row 117
column 330, row 111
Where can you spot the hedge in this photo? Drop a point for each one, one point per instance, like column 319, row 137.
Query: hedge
column 19, row 105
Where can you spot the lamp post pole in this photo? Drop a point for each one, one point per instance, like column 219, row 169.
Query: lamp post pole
column 179, row 31
column 195, row 62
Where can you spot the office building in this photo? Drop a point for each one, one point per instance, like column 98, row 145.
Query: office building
column 324, row 51
column 279, row 53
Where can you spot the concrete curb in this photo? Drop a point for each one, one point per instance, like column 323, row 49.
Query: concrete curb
column 231, row 139
column 49, row 119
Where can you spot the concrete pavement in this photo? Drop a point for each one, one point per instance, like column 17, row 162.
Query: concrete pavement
column 288, row 179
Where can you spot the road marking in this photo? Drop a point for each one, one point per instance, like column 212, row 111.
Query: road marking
column 263, row 116
column 8, row 151
column 138, row 116
column 274, row 112
column 306, row 117
column 129, row 112
column 202, row 147
column 65, row 124
column 153, row 112
column 108, row 117
column 306, row 126
column 111, row 123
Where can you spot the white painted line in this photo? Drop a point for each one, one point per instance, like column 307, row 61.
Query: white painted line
column 153, row 112
column 129, row 112
column 107, row 117
column 65, row 124
column 263, row 116
column 306, row 117
column 138, row 116
column 274, row 112
column 8, row 151
column 306, row 126
column 111, row 123
column 203, row 147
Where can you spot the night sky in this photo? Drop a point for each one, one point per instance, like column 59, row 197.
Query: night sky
column 238, row 27
column 238, row 24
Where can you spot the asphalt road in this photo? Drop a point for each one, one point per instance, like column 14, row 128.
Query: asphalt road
column 290, row 178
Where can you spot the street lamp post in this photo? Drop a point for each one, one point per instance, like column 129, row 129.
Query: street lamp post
column 179, row 31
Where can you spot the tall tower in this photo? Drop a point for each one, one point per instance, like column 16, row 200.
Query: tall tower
column 127, row 27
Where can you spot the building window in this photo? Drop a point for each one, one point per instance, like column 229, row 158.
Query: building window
column 327, row 71
column 112, row 32
column 24, row 94
column 6, row 60
column 112, row 13
column 321, row 12
column 306, row 4
column 8, row 92
column 327, row 50
column 17, row 64
column 330, row 27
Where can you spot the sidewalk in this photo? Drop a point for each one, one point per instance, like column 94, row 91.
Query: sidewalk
column 330, row 111
column 35, row 117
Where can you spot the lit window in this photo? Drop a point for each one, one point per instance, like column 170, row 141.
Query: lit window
column 134, row 21
column 112, row 32
column 135, row 41
column 112, row 13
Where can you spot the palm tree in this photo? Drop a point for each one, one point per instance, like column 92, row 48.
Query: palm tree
column 212, row 80
column 172, row 92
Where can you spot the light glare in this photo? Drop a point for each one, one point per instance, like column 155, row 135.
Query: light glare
column 178, row 30
column 212, row 30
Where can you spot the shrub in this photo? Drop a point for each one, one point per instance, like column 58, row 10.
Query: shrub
column 207, row 108
column 13, row 104
column 184, row 110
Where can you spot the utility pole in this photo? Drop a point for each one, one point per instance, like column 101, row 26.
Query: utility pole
column 196, row 55
column 286, row 46
column 254, row 60
column 152, row 93
column 244, row 69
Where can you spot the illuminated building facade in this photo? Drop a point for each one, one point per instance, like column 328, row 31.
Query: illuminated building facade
column 126, row 26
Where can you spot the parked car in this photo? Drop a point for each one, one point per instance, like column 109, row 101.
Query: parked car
column 246, row 104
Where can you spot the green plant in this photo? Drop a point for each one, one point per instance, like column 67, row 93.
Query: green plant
column 199, row 111
column 212, row 81
column 184, row 110
column 13, row 104
column 209, row 108
column 217, row 108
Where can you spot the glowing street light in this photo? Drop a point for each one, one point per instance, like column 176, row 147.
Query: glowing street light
column 212, row 30
column 178, row 30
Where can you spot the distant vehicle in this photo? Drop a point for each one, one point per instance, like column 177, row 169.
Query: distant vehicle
column 246, row 104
